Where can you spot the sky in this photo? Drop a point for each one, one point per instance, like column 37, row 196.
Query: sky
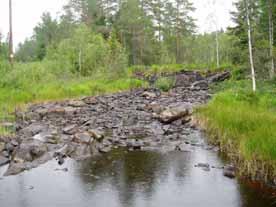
column 27, row 15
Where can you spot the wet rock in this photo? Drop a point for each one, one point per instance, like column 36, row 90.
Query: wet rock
column 105, row 149
column 96, row 134
column 63, row 169
column 33, row 129
column 9, row 147
column 70, row 130
column 15, row 168
column 30, row 150
column 149, row 95
column 229, row 171
column 172, row 114
column 206, row 165
column 203, row 166
column 83, row 138
column 3, row 160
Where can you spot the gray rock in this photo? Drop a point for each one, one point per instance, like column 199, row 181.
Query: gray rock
column 3, row 160
column 83, row 138
column 2, row 146
column 29, row 151
column 70, row 130
column 76, row 103
column 172, row 114
column 96, row 134
column 200, row 85
column 33, row 129
column 229, row 171
column 149, row 95
column 9, row 147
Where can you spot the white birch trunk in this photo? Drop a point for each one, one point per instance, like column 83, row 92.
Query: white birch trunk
column 271, row 38
column 250, row 47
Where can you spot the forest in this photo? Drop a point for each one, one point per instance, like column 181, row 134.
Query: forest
column 96, row 47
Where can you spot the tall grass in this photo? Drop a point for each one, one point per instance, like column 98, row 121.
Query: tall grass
column 42, row 81
column 244, row 125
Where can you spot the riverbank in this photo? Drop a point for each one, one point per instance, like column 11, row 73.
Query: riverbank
column 243, row 124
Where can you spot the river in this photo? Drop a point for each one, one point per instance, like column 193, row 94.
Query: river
column 121, row 178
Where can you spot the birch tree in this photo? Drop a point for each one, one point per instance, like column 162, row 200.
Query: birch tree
column 253, row 76
column 271, row 36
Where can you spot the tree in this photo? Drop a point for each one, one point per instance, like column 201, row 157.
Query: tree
column 250, row 45
column 45, row 34
column 271, row 36
column 11, row 55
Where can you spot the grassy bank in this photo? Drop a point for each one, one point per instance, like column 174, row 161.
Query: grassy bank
column 33, row 82
column 244, row 125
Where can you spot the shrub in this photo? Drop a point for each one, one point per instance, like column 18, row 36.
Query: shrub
column 165, row 84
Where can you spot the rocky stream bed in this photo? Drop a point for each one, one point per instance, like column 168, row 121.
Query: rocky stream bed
column 140, row 119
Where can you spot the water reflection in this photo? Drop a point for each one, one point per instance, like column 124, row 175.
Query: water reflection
column 130, row 179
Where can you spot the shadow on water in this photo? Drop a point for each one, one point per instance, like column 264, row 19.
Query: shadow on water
column 130, row 179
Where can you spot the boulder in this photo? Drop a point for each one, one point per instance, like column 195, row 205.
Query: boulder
column 175, row 113
column 30, row 150
column 33, row 129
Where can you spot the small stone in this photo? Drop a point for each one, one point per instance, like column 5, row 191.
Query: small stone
column 149, row 95
column 75, row 103
column 229, row 171
column 14, row 142
column 203, row 165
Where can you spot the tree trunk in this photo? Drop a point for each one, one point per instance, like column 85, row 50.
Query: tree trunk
column 217, row 48
column 250, row 47
column 271, row 38
column 11, row 55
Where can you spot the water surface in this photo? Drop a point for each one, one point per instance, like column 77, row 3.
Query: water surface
column 130, row 179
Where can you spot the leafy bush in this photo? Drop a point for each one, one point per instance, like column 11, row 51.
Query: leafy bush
column 165, row 84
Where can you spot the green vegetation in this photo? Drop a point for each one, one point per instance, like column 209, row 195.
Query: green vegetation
column 244, row 125
column 165, row 84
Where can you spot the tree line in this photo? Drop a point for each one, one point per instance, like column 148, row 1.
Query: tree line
column 155, row 32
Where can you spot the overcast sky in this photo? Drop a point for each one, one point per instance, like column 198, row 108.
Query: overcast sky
column 27, row 14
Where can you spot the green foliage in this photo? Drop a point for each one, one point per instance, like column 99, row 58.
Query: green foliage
column 165, row 84
column 87, row 53
column 245, row 122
